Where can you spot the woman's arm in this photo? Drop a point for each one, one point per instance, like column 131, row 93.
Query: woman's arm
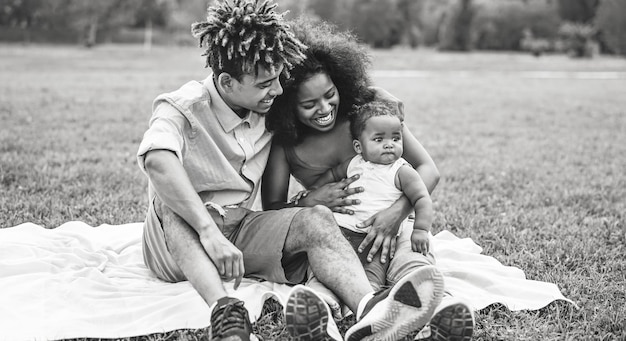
column 275, row 183
column 275, row 187
column 419, row 158
column 334, row 174
column 414, row 152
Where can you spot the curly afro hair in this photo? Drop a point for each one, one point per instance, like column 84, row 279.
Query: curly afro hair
column 337, row 54
column 361, row 113
column 245, row 34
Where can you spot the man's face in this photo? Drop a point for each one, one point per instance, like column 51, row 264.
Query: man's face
column 255, row 93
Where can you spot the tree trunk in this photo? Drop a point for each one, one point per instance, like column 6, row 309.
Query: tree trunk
column 92, row 30
column 147, row 38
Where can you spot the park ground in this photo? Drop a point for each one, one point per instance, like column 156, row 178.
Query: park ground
column 532, row 153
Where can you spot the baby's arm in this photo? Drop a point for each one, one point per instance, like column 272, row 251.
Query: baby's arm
column 410, row 183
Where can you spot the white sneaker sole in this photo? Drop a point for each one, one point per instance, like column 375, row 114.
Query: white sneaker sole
column 409, row 306
column 306, row 315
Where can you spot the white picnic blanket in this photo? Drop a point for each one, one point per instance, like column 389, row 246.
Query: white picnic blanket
column 82, row 281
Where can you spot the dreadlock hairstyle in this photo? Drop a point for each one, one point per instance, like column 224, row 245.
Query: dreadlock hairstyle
column 245, row 34
column 336, row 54
column 361, row 113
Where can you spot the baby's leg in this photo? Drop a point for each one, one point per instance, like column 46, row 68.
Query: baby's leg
column 405, row 259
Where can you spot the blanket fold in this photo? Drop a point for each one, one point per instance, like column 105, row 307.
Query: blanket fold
column 81, row 281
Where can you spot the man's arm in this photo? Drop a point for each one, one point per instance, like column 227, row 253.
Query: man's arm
column 174, row 188
column 172, row 185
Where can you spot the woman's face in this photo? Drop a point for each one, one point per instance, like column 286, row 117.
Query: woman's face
column 317, row 102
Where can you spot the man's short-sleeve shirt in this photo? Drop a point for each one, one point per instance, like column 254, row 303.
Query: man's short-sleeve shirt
column 224, row 155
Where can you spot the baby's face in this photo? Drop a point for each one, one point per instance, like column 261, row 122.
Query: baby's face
column 381, row 140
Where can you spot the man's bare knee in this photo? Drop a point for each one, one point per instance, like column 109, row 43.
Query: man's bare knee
column 312, row 226
column 314, row 219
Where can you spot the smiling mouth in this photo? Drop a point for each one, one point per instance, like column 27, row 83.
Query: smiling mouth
column 325, row 120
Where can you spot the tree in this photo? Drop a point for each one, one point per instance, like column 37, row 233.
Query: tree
column 457, row 35
column 411, row 25
column 149, row 13
column 582, row 11
column 325, row 9
column 377, row 22
column 611, row 22
column 91, row 17
column 500, row 25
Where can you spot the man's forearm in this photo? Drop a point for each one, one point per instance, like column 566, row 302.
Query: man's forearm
column 173, row 187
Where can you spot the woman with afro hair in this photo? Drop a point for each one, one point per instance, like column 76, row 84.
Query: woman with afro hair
column 312, row 132
column 311, row 127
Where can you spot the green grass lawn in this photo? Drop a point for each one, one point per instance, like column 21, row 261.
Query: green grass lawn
column 533, row 170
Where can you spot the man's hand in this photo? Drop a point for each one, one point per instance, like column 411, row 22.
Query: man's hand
column 383, row 232
column 333, row 195
column 420, row 241
column 227, row 258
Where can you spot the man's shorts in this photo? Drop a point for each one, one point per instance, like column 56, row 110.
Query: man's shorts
column 260, row 235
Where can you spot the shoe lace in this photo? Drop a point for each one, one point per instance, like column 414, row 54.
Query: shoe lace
column 229, row 316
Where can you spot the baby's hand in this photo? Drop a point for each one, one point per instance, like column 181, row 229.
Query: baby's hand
column 420, row 241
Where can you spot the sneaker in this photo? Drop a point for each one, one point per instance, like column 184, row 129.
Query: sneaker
column 230, row 321
column 405, row 308
column 307, row 316
column 453, row 321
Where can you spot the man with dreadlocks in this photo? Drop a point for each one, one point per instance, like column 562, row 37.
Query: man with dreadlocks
column 204, row 154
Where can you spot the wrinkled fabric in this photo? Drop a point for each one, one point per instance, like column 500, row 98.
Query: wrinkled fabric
column 81, row 281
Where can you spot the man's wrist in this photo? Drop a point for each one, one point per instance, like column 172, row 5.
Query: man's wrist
column 208, row 230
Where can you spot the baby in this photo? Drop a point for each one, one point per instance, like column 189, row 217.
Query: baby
column 376, row 128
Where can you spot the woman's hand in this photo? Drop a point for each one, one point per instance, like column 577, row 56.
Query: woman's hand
column 333, row 196
column 383, row 232
column 381, row 94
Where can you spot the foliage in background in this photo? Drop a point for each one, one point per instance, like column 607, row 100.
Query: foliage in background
column 578, row 39
column 459, row 25
column 580, row 11
column 501, row 25
column 87, row 22
column 456, row 32
column 378, row 22
column 611, row 22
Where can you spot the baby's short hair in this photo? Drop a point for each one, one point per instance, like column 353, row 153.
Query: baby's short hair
column 360, row 114
column 241, row 35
